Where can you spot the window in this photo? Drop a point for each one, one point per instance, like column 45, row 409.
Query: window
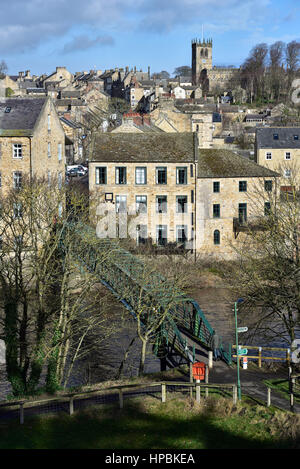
column 7, row 110
column 181, row 204
column 161, row 175
column 268, row 155
column 216, row 237
column 59, row 179
column 141, row 175
column 192, row 171
column 141, row 233
column 242, row 213
column 216, row 186
column 275, row 137
column 49, row 122
column 242, row 186
column 49, row 178
column 296, row 137
column 181, row 233
column 17, row 150
column 17, row 210
column 181, row 175
column 121, row 177
column 141, row 203
column 192, row 196
column 287, row 155
column 0, row 179
column 287, row 173
column 17, row 180
column 49, row 150
column 0, row 150
column 216, row 210
column 101, row 175
column 267, row 208
column 161, row 204
column 121, row 203
column 161, row 235
column 268, row 186
column 59, row 151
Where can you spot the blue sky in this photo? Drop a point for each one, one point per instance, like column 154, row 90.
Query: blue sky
column 38, row 35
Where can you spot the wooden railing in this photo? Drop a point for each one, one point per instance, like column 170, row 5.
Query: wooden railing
column 71, row 397
column 259, row 357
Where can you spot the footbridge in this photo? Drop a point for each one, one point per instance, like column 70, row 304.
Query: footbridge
column 147, row 294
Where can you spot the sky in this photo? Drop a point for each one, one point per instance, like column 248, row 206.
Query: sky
column 39, row 35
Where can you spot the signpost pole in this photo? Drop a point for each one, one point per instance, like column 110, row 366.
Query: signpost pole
column 237, row 353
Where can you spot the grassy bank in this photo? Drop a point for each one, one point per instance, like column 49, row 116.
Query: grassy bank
column 149, row 424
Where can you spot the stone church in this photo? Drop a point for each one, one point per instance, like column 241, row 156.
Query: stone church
column 203, row 71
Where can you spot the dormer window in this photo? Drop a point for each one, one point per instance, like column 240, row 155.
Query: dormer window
column 7, row 109
column 275, row 137
column 296, row 137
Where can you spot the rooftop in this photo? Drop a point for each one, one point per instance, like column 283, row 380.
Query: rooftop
column 146, row 147
column 18, row 116
column 278, row 137
column 215, row 163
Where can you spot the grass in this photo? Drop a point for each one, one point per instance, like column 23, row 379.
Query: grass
column 282, row 386
column 148, row 424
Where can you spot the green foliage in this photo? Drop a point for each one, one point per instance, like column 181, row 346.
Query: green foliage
column 8, row 92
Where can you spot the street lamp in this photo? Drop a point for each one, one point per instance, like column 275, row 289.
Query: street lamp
column 240, row 300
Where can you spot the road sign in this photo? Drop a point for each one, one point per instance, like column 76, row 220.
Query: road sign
column 242, row 329
column 242, row 351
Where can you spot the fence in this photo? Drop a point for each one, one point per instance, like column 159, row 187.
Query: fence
column 259, row 357
column 116, row 394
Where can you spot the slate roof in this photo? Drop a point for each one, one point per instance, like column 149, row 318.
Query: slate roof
column 145, row 147
column 215, row 163
column 22, row 117
column 265, row 139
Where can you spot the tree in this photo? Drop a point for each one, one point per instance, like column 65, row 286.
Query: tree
column 163, row 75
column 153, row 299
column 3, row 69
column 292, row 60
column 183, row 71
column 253, row 71
column 266, row 273
column 45, row 290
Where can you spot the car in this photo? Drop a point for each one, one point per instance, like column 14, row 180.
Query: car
column 79, row 167
column 75, row 172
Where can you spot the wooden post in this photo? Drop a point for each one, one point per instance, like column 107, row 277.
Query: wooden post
column 191, row 380
column 21, row 413
column 269, row 397
column 259, row 357
column 234, row 394
column 71, row 405
column 121, row 399
column 163, row 392
column 206, row 382
column 198, row 392
column 210, row 359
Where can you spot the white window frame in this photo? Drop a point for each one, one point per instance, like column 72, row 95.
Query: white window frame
column 49, row 149
column 287, row 173
column 49, row 122
column 17, row 179
column 17, row 150
column 59, row 151
column 268, row 153
column 141, row 175
column 286, row 157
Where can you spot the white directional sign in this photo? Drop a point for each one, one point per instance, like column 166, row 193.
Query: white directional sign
column 242, row 329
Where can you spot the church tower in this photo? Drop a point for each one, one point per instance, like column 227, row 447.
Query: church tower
column 201, row 59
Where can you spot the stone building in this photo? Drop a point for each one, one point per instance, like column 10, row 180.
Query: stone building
column 203, row 71
column 278, row 148
column 32, row 141
column 174, row 190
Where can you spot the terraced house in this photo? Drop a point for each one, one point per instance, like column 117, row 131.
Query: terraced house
column 179, row 192
column 32, row 141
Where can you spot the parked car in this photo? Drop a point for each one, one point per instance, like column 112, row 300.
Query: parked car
column 75, row 172
column 79, row 167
